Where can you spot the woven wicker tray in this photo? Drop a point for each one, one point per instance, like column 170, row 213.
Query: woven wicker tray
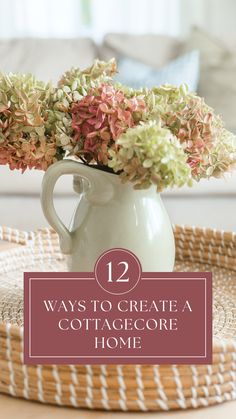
column 117, row 387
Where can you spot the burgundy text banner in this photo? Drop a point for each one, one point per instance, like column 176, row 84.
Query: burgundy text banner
column 91, row 318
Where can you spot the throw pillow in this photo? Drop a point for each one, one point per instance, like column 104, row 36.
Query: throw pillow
column 152, row 49
column 184, row 69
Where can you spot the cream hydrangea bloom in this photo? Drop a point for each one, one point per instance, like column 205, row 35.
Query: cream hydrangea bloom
column 149, row 154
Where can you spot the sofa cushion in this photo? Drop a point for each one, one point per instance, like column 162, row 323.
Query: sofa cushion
column 184, row 69
column 151, row 49
column 14, row 183
column 47, row 59
column 217, row 74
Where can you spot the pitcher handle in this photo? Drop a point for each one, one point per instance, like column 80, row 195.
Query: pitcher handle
column 95, row 183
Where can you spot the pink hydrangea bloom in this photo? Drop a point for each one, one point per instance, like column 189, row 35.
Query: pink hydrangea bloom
column 25, row 141
column 24, row 155
column 197, row 128
column 20, row 149
column 101, row 117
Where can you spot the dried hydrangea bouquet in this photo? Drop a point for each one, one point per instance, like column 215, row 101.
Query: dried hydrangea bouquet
column 142, row 141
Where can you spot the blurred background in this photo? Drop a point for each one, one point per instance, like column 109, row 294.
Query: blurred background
column 154, row 41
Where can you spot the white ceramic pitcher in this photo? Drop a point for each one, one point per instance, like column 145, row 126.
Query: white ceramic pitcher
column 109, row 214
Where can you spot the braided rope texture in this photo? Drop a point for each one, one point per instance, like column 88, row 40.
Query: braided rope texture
column 120, row 387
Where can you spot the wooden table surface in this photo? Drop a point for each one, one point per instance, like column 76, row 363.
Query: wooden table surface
column 12, row 408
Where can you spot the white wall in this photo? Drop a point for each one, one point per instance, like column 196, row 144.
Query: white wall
column 67, row 18
column 72, row 18
column 135, row 16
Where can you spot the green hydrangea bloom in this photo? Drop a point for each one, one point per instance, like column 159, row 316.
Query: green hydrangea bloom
column 149, row 154
column 209, row 147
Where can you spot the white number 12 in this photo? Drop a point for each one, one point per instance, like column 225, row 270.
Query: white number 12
column 121, row 277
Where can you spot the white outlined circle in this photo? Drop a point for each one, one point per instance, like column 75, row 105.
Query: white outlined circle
column 135, row 259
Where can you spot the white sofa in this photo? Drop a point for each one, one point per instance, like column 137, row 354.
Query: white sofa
column 48, row 59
